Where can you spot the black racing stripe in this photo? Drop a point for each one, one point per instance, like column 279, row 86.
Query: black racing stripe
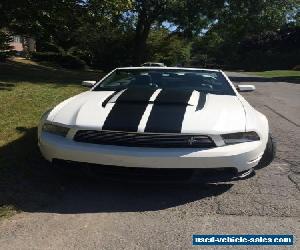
column 173, row 96
column 128, row 110
column 201, row 101
column 167, row 115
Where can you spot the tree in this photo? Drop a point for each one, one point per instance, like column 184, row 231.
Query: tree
column 238, row 21
column 189, row 16
column 193, row 17
column 104, row 36
column 4, row 45
column 147, row 12
column 171, row 49
column 109, row 33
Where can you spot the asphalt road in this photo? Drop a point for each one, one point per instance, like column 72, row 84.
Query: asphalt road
column 112, row 215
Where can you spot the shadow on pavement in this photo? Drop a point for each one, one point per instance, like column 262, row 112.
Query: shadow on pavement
column 83, row 197
column 28, row 183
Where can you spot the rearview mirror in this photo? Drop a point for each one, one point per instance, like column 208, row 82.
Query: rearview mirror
column 245, row 88
column 88, row 83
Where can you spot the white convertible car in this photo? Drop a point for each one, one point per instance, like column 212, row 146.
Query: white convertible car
column 159, row 118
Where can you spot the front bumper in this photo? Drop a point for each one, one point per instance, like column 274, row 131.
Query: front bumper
column 241, row 157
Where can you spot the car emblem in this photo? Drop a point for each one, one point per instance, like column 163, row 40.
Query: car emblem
column 191, row 140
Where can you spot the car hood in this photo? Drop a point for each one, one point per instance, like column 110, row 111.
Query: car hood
column 199, row 113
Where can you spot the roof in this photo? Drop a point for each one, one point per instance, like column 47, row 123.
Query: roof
column 174, row 68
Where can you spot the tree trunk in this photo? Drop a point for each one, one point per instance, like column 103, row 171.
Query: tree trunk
column 141, row 34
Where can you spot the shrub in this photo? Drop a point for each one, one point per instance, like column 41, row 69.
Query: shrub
column 5, row 48
column 64, row 60
column 5, row 54
column 268, row 60
column 297, row 67
column 71, row 62
column 45, row 56
column 43, row 46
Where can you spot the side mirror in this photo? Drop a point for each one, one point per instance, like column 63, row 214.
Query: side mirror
column 245, row 88
column 88, row 83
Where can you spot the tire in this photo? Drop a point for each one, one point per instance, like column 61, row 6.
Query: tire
column 269, row 154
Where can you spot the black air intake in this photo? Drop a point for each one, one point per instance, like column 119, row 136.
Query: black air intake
column 151, row 140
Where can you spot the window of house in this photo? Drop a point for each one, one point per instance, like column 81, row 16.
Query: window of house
column 16, row 39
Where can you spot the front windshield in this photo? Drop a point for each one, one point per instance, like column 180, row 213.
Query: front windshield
column 200, row 80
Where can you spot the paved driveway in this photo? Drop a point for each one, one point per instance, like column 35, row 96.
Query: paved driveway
column 164, row 216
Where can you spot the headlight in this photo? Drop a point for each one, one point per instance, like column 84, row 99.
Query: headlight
column 235, row 138
column 55, row 129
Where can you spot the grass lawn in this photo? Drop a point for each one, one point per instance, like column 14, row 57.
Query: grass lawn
column 26, row 91
column 279, row 75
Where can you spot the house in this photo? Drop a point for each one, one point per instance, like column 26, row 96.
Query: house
column 22, row 44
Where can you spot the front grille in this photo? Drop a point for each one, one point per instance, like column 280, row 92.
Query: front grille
column 151, row 140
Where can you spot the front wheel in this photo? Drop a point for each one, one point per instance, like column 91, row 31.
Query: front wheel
column 269, row 153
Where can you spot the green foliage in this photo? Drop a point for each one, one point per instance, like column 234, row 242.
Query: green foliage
column 191, row 17
column 251, row 34
column 4, row 41
column 5, row 46
column 110, row 33
column 271, row 50
column 167, row 48
column 261, row 60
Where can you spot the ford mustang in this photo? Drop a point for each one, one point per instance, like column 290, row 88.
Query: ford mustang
column 159, row 118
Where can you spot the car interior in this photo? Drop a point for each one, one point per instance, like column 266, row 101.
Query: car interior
column 198, row 80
